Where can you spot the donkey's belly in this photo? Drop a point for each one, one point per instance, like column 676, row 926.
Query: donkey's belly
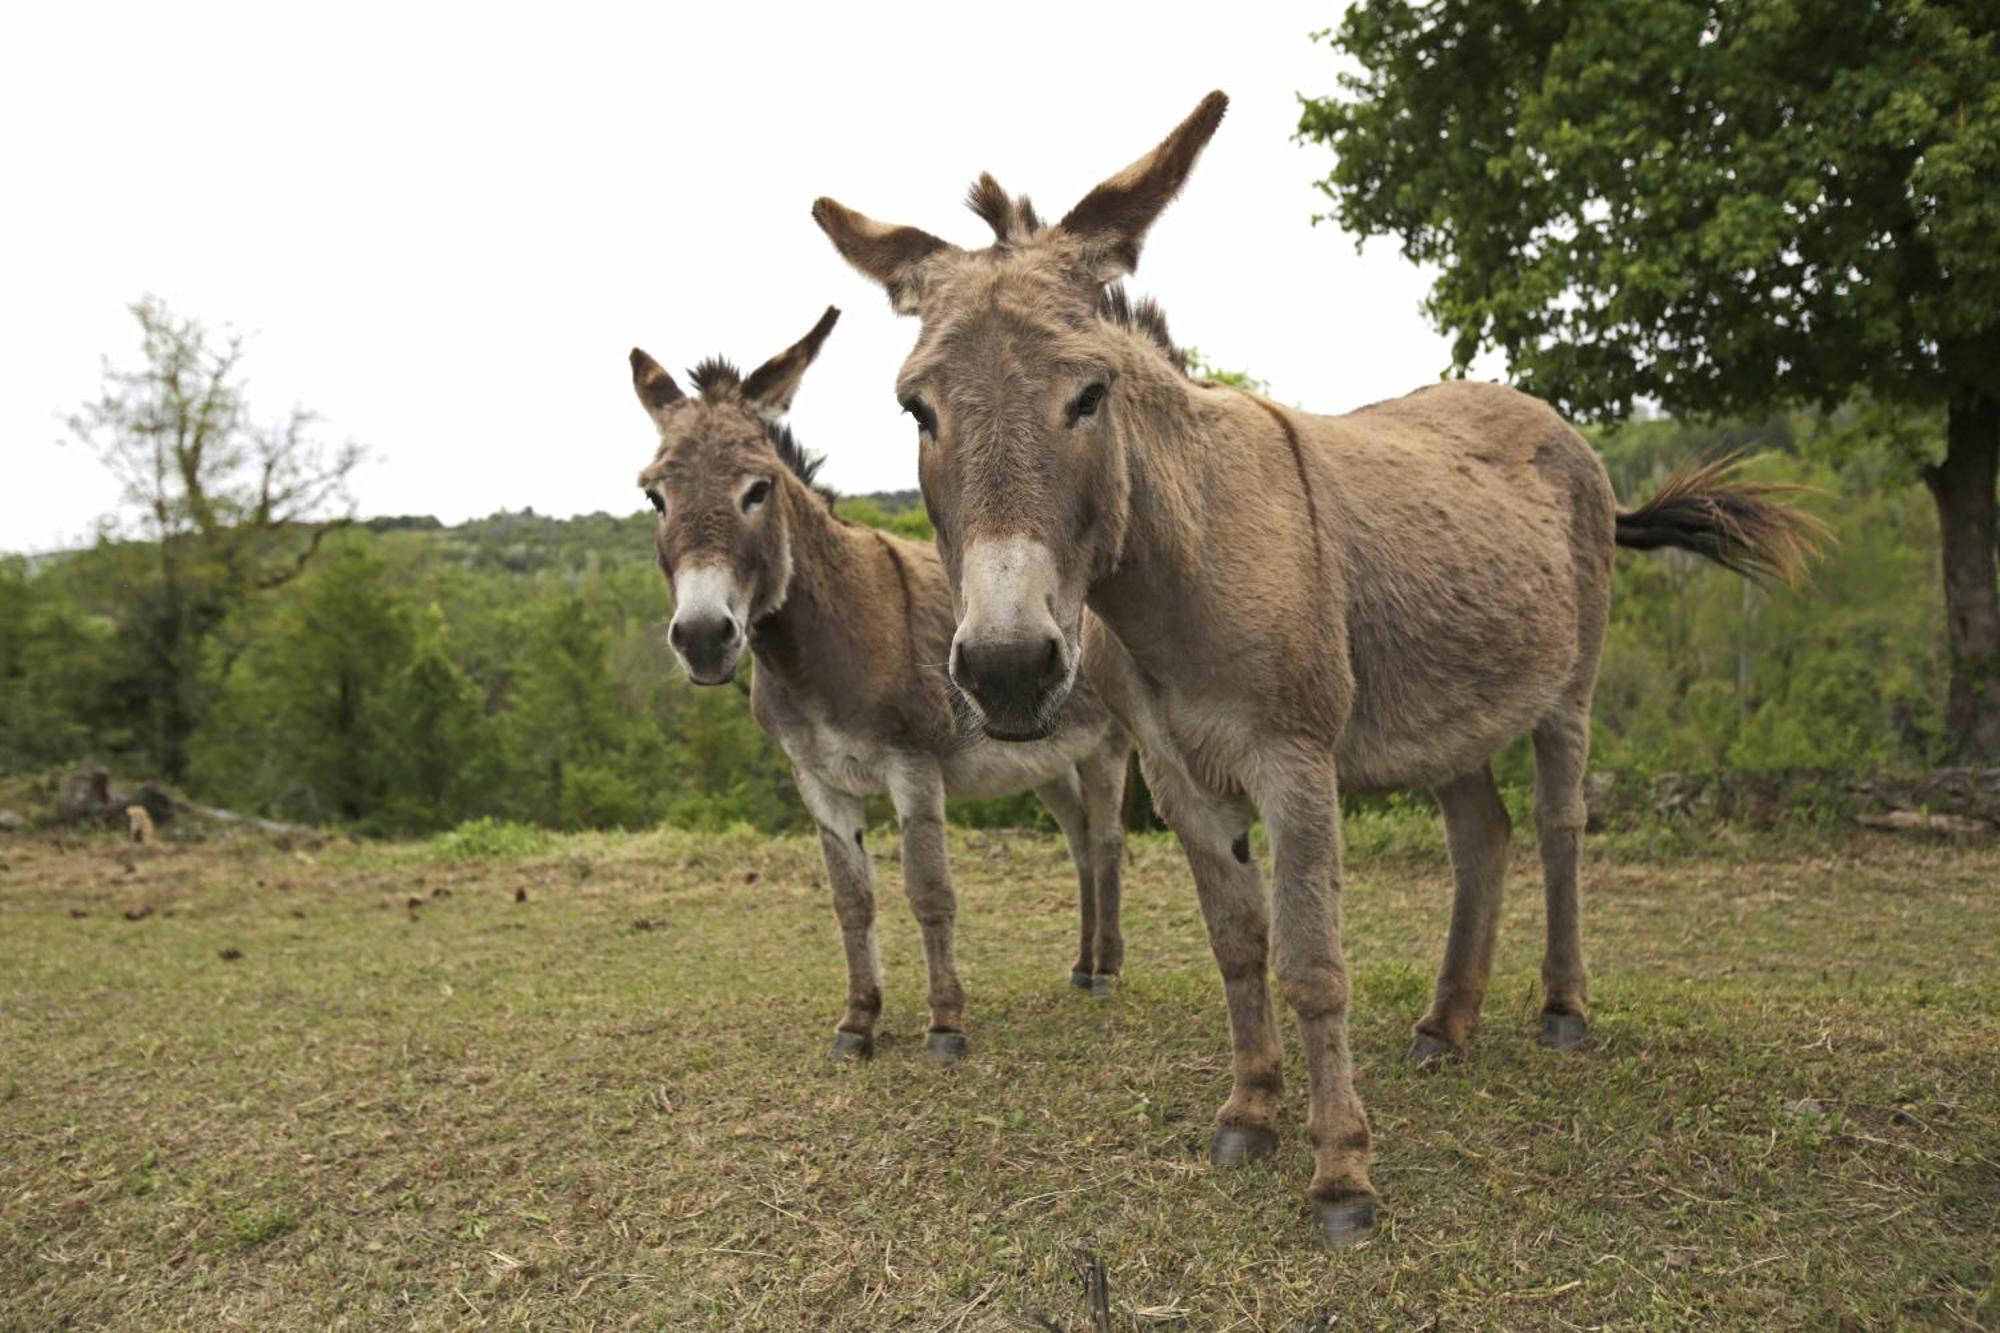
column 1449, row 678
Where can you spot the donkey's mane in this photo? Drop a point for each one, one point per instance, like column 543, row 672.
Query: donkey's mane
column 1144, row 318
column 717, row 376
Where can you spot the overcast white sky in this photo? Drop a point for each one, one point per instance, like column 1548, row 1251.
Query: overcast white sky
column 442, row 227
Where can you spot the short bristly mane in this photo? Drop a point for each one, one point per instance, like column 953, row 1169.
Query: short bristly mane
column 718, row 376
column 1014, row 220
column 798, row 462
column 1145, row 319
column 715, row 375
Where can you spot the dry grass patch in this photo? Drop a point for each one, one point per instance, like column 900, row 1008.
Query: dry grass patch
column 416, row 1098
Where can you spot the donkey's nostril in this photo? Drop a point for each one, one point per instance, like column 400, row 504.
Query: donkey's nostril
column 676, row 635
column 1052, row 661
column 957, row 663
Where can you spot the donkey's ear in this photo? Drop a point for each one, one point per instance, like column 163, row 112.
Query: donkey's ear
column 890, row 255
column 1111, row 220
column 656, row 388
column 770, row 386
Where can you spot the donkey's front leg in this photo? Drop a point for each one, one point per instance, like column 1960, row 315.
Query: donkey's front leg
column 1215, row 834
column 841, row 826
column 1302, row 810
column 918, row 793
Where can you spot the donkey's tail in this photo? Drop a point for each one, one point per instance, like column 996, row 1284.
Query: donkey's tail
column 1741, row 525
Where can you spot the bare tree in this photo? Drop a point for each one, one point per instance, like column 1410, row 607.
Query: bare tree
column 226, row 505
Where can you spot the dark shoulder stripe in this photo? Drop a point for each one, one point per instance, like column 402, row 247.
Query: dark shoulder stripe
column 903, row 581
column 1305, row 482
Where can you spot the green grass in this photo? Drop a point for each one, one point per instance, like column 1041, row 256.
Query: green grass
column 479, row 1110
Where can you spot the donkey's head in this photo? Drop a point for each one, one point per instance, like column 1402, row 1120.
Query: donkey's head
column 724, row 481
column 1026, row 384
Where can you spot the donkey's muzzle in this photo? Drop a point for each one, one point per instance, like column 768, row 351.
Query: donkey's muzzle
column 708, row 646
column 1018, row 683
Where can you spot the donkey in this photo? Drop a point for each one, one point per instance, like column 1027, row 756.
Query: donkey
column 1292, row 606
column 849, row 627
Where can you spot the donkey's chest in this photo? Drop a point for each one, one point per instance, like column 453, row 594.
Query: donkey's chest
column 850, row 761
column 852, row 758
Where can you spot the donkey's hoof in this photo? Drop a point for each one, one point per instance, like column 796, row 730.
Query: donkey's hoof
column 945, row 1048
column 1080, row 980
column 1428, row 1052
column 1346, row 1222
column 1240, row 1145
column 1103, row 984
column 851, row 1046
column 1563, row 1032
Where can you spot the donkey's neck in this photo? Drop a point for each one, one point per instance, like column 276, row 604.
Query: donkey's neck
column 818, row 602
column 1172, row 478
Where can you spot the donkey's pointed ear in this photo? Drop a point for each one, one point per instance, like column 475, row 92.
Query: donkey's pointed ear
column 656, row 388
column 891, row 255
column 770, row 386
column 1111, row 220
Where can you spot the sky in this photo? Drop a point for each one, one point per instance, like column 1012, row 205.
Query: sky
column 441, row 228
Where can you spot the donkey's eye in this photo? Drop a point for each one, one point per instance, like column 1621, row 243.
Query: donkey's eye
column 659, row 505
column 925, row 421
column 756, row 495
column 1086, row 403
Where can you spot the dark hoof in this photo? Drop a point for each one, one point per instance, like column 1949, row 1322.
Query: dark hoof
column 1103, row 984
column 1428, row 1052
column 851, row 1046
column 1347, row 1221
column 1563, row 1032
column 945, row 1048
column 1240, row 1145
column 1080, row 980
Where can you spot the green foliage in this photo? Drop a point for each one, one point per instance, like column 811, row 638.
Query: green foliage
column 905, row 521
column 481, row 839
column 1704, row 671
column 413, row 681
column 1713, row 206
column 1201, row 368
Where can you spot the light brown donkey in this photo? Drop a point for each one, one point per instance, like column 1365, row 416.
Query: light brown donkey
column 849, row 628
column 1296, row 604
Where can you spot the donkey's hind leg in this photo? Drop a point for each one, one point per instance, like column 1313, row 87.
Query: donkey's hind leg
column 1063, row 797
column 1562, row 749
column 1476, row 828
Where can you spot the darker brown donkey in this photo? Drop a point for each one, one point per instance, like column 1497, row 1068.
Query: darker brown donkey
column 1297, row 605
column 849, row 628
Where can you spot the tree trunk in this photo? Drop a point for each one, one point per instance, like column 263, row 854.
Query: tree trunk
column 1964, row 488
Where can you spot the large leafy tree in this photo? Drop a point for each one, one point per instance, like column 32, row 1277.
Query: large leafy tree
column 1719, row 205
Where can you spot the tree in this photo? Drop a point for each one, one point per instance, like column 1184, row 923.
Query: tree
column 226, row 504
column 1723, row 207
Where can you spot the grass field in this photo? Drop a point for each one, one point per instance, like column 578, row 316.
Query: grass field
column 378, row 1086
